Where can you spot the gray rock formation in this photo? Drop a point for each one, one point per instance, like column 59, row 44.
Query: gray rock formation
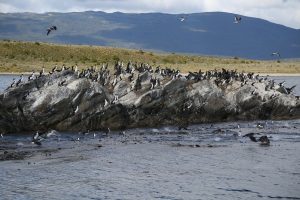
column 65, row 102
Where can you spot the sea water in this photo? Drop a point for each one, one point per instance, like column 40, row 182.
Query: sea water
column 207, row 161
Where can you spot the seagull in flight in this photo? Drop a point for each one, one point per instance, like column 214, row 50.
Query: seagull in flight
column 183, row 18
column 237, row 19
column 51, row 29
column 275, row 54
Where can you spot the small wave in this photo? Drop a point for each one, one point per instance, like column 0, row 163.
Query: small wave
column 280, row 197
column 239, row 190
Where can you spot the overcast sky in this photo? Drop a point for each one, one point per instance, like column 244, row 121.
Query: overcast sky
column 286, row 12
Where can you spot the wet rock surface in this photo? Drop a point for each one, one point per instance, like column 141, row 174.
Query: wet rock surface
column 67, row 101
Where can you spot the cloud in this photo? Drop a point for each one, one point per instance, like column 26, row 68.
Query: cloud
column 286, row 12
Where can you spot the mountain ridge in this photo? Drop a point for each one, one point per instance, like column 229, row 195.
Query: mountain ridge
column 209, row 33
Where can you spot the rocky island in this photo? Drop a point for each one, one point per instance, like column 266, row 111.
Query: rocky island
column 138, row 95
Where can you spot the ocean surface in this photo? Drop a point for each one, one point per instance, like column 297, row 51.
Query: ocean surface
column 207, row 161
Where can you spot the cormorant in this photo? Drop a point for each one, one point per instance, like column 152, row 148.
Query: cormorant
column 264, row 140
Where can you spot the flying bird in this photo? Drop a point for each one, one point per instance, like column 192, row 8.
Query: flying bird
column 183, row 18
column 51, row 29
column 275, row 54
column 237, row 19
column 264, row 140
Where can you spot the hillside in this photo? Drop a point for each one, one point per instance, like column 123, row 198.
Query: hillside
column 201, row 33
column 16, row 56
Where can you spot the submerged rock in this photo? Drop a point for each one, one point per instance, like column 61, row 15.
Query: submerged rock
column 65, row 102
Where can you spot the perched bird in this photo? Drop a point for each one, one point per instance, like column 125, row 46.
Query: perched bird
column 51, row 29
column 42, row 72
column 13, row 83
column 107, row 131
column 20, row 80
column 76, row 110
column 116, row 99
column 31, row 77
column 237, row 19
column 105, row 103
column 62, row 83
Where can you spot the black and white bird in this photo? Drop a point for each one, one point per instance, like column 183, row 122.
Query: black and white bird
column 31, row 77
column 42, row 72
column 62, row 83
column 105, row 103
column 76, row 110
column 36, row 139
column 237, row 19
column 290, row 90
column 51, row 29
column 13, row 83
column 116, row 99
column 20, row 80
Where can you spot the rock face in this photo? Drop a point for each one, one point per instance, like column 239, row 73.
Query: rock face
column 64, row 102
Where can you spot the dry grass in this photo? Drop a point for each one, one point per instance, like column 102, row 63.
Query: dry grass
column 18, row 56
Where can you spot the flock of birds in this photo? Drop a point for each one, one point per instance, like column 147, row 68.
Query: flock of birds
column 132, row 72
column 104, row 77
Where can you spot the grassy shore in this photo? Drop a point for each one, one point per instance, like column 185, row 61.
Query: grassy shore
column 18, row 57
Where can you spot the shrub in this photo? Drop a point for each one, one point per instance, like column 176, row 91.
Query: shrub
column 116, row 58
column 11, row 56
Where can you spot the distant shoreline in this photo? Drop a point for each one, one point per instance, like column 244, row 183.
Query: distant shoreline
column 279, row 74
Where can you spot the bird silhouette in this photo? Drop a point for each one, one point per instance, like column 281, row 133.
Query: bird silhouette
column 264, row 140
column 51, row 29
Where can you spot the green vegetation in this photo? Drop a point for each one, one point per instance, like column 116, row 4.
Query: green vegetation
column 16, row 56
